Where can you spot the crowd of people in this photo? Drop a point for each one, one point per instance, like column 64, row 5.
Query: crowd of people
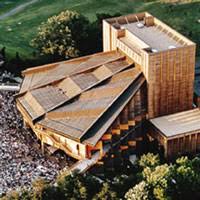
column 21, row 159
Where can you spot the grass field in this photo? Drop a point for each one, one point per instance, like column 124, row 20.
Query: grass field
column 17, row 31
column 5, row 6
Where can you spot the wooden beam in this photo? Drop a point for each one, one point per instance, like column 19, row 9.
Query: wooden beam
column 131, row 123
column 123, row 147
column 124, row 126
column 116, row 131
column 42, row 145
column 106, row 137
column 132, row 143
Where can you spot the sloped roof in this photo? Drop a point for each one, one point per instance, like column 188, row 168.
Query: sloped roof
column 178, row 123
column 47, row 74
column 71, row 97
column 48, row 89
column 79, row 116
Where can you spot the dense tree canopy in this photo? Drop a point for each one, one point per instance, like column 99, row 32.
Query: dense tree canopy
column 178, row 181
column 63, row 35
column 106, row 193
column 69, row 34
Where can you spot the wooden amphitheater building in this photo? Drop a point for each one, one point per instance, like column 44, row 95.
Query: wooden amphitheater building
column 96, row 106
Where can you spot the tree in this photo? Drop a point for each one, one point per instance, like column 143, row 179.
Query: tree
column 149, row 160
column 64, row 35
column 73, row 187
column 154, row 183
column 38, row 187
column 69, row 35
column 185, row 182
column 179, row 181
column 139, row 192
column 106, row 193
column 122, row 183
column 157, row 181
column 96, row 30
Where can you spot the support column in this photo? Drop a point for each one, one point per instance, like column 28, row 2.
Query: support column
column 25, row 124
column 42, row 145
column 166, row 148
column 101, row 149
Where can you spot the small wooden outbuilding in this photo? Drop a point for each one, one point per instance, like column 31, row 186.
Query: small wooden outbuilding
column 178, row 133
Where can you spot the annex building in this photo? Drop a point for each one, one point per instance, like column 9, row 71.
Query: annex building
column 95, row 107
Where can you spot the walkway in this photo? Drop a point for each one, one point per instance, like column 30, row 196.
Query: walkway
column 17, row 9
column 83, row 165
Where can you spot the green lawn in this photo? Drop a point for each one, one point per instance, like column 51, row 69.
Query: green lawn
column 7, row 5
column 17, row 31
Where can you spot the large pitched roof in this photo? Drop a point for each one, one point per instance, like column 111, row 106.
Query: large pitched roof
column 71, row 97
column 47, row 74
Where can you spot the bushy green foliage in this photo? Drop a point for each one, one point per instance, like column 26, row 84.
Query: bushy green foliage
column 138, row 192
column 149, row 160
column 64, row 35
column 179, row 181
column 154, row 181
column 70, row 34
column 185, row 176
column 106, row 193
column 157, row 180
column 73, row 187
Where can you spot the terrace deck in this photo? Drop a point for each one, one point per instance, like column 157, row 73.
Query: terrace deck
column 153, row 36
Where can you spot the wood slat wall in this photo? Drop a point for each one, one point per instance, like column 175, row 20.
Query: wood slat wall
column 170, row 81
column 184, row 144
column 187, row 143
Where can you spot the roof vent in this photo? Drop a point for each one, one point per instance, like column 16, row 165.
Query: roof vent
column 171, row 47
column 139, row 24
column 154, row 50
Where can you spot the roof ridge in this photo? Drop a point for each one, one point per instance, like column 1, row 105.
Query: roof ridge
column 36, row 86
column 117, row 66
column 52, row 65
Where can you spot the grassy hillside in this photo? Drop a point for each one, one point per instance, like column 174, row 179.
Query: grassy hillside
column 18, row 30
column 5, row 6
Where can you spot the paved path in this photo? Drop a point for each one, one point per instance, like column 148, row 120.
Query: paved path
column 83, row 165
column 17, row 9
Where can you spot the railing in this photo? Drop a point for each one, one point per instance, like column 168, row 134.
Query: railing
column 130, row 51
column 9, row 86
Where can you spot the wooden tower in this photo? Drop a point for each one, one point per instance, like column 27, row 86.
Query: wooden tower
column 166, row 58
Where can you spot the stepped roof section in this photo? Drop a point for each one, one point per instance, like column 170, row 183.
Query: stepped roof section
column 143, row 31
column 45, row 88
column 82, row 97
